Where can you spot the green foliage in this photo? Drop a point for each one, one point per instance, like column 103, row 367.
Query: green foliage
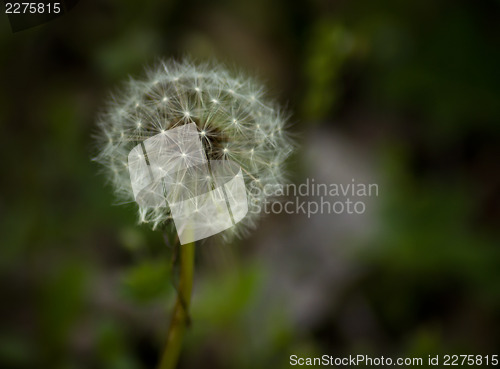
column 147, row 282
column 235, row 292
column 330, row 46
column 113, row 350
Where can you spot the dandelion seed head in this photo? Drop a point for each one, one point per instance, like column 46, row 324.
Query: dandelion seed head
column 243, row 124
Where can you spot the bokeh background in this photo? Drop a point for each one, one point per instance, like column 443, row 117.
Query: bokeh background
column 403, row 94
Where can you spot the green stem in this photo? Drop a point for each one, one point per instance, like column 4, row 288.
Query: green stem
column 180, row 316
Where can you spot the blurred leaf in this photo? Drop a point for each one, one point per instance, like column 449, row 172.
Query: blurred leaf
column 224, row 296
column 147, row 281
column 330, row 44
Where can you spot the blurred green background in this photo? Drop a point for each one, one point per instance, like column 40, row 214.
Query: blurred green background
column 403, row 94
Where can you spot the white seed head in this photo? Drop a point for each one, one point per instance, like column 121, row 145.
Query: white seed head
column 232, row 116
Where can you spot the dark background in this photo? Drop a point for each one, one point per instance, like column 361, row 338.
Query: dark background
column 403, row 94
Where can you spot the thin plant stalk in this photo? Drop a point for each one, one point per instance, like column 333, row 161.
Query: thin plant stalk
column 180, row 316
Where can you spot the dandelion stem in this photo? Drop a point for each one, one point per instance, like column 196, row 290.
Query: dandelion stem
column 180, row 317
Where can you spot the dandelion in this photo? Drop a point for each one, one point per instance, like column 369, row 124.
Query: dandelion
column 236, row 125
column 234, row 122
